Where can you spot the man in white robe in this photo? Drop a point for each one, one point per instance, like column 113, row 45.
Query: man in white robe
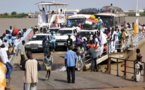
column 112, row 42
column 103, row 41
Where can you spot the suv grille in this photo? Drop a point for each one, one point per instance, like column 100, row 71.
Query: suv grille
column 34, row 46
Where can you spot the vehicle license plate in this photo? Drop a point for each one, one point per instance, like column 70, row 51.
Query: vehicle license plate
column 34, row 48
column 60, row 43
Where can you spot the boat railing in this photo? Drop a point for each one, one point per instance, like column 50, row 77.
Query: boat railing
column 126, row 69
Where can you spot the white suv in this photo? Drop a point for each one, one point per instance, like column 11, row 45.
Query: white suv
column 35, row 44
column 62, row 36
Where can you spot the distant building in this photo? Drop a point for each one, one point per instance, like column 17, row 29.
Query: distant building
column 33, row 15
column 133, row 11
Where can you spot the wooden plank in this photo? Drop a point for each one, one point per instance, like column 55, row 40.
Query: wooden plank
column 98, row 61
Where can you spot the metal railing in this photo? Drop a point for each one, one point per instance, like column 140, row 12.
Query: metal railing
column 128, row 67
column 131, row 41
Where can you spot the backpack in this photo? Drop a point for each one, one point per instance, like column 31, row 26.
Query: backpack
column 9, row 69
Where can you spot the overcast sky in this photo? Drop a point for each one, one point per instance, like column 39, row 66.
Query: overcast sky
column 29, row 5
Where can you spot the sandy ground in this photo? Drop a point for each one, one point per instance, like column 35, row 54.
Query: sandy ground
column 126, row 88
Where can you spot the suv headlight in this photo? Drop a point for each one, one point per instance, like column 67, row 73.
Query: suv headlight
column 40, row 45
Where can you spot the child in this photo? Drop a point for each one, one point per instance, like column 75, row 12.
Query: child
column 85, row 43
column 48, row 59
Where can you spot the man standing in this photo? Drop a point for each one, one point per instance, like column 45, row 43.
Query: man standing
column 70, row 61
column 69, row 41
column 100, row 23
column 112, row 41
column 46, row 45
column 11, row 30
column 92, row 53
column 43, row 13
column 3, row 54
column 78, row 39
column 53, row 41
column 22, row 52
column 31, row 72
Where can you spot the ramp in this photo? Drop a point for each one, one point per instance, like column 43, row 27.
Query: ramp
column 84, row 81
column 98, row 61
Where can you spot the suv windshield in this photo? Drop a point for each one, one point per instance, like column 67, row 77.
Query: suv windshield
column 75, row 21
column 40, row 37
column 84, row 34
column 64, row 32
column 52, row 30
column 107, row 20
column 89, row 27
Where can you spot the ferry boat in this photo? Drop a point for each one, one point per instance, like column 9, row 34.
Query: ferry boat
column 112, row 17
column 49, row 16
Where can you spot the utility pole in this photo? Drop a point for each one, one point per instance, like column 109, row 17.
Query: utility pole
column 137, row 23
column 137, row 14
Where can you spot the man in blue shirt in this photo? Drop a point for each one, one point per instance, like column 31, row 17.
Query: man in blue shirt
column 53, row 41
column 70, row 61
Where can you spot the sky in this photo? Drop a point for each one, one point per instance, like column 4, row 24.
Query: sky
column 29, row 5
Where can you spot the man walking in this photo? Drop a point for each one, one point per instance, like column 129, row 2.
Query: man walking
column 31, row 72
column 22, row 52
column 70, row 61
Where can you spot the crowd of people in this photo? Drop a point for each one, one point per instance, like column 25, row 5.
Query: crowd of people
column 9, row 41
column 111, row 39
column 97, row 44
column 8, row 47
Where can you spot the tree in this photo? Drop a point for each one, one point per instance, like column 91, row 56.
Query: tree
column 131, row 14
column 14, row 13
column 6, row 14
column 142, row 14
